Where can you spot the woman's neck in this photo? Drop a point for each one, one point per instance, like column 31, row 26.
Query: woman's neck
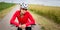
column 21, row 15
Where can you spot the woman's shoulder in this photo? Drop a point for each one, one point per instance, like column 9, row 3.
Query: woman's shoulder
column 28, row 12
column 17, row 11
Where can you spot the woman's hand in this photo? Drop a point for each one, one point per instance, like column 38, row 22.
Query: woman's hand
column 23, row 26
column 19, row 26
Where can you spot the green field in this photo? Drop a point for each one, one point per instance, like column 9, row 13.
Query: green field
column 51, row 12
column 4, row 5
column 5, row 8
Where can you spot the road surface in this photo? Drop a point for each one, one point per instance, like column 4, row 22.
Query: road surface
column 4, row 23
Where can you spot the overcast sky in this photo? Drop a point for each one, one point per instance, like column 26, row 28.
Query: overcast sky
column 42, row 2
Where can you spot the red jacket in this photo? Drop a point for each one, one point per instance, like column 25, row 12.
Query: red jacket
column 27, row 19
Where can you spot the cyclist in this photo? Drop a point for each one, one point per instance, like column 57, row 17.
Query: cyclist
column 25, row 19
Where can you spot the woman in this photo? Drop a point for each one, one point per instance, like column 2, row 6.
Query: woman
column 25, row 19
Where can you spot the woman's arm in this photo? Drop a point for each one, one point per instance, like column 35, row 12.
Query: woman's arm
column 31, row 20
column 12, row 21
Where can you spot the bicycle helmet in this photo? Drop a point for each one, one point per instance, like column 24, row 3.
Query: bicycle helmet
column 24, row 6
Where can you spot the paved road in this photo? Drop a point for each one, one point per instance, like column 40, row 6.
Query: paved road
column 4, row 24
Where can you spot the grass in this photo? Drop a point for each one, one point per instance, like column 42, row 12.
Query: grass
column 51, row 12
column 45, row 23
column 5, row 8
column 4, row 5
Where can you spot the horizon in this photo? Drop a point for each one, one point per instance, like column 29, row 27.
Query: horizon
column 40, row 2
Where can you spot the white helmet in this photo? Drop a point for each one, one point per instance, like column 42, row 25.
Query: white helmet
column 23, row 5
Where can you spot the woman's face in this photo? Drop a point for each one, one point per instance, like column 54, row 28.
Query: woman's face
column 23, row 11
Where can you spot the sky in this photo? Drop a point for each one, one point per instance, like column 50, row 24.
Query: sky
column 42, row 2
